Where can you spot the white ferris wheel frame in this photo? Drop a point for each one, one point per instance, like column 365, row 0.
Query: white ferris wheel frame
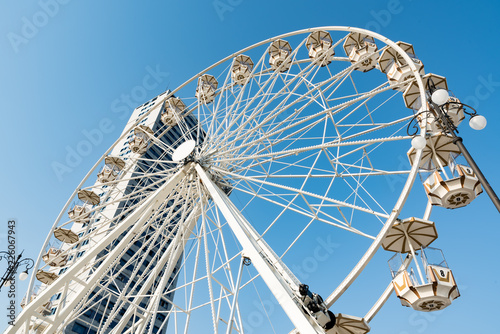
column 235, row 219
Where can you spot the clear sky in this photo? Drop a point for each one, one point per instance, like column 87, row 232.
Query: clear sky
column 70, row 67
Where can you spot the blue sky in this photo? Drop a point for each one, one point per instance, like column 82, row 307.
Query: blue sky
column 69, row 71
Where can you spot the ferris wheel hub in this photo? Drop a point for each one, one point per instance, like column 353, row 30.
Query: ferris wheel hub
column 184, row 150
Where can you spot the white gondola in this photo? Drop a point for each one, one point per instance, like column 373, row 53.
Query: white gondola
column 55, row 258
column 319, row 45
column 65, row 235
column 241, row 69
column 433, row 291
column 431, row 81
column 38, row 326
column 434, row 288
column 436, row 154
column 141, row 140
column 455, row 192
column 46, row 277
column 396, row 68
column 80, row 212
column 111, row 169
column 279, row 55
column 348, row 324
column 451, row 191
column 362, row 51
column 172, row 110
column 44, row 309
column 205, row 91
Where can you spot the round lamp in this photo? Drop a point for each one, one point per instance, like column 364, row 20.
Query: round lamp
column 23, row 275
column 440, row 96
column 418, row 142
column 477, row 122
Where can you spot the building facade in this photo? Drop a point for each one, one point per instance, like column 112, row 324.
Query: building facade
column 141, row 159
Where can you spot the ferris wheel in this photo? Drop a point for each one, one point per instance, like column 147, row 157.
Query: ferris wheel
column 210, row 198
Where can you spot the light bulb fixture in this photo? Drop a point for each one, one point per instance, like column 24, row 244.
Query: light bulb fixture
column 418, row 142
column 477, row 122
column 440, row 96
column 23, row 275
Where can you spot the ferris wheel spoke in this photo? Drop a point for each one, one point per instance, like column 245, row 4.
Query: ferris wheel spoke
column 284, row 108
column 274, row 156
column 168, row 261
column 339, row 81
column 141, row 296
column 302, row 73
column 332, row 175
column 311, row 95
column 280, row 289
column 303, row 192
column 208, row 272
column 364, row 132
column 300, row 78
column 288, row 205
column 73, row 272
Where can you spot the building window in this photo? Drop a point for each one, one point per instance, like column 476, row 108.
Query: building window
column 56, row 296
column 81, row 234
column 85, row 242
column 80, row 254
column 130, row 252
column 63, row 270
column 80, row 329
column 53, row 310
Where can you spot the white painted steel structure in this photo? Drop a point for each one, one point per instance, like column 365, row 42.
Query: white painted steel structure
column 280, row 158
